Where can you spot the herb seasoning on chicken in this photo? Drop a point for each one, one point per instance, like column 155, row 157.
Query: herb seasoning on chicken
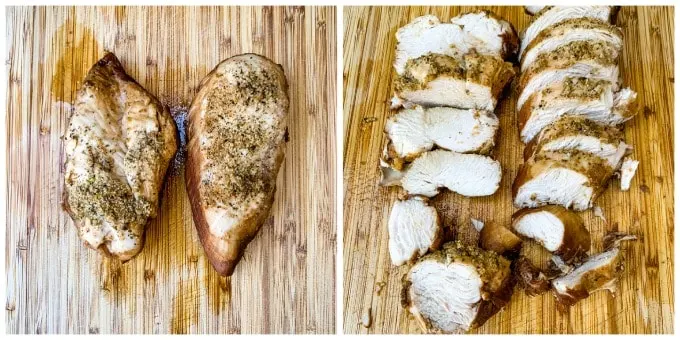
column 118, row 146
column 236, row 146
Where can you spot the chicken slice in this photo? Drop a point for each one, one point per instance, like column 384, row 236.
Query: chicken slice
column 237, row 127
column 496, row 237
column 594, row 99
column 118, row 145
column 532, row 10
column 628, row 169
column 413, row 230
column 581, row 134
column 589, row 59
column 599, row 272
column 551, row 15
column 570, row 179
column 466, row 174
column 475, row 82
column 457, row 288
column 479, row 31
column 565, row 32
column 414, row 131
column 530, row 278
column 557, row 229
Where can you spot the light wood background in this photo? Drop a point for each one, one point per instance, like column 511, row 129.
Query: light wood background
column 285, row 281
column 645, row 300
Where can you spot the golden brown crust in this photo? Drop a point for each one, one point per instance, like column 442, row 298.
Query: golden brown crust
column 499, row 239
column 225, row 251
column 576, row 241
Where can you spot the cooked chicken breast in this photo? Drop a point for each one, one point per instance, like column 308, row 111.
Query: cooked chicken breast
column 557, row 229
column 457, row 289
column 551, row 15
column 118, row 145
column 565, row 32
column 479, row 31
column 530, row 278
column 414, row 229
column 598, row 272
column 496, row 237
column 466, row 174
column 414, row 131
column 475, row 82
column 570, row 179
column 588, row 59
column 628, row 169
column 237, row 123
column 532, row 10
column 594, row 99
column 580, row 134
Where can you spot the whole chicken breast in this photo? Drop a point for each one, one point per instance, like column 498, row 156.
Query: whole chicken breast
column 236, row 134
column 118, row 145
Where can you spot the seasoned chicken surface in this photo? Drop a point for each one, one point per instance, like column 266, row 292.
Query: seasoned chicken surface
column 594, row 99
column 473, row 82
column 580, row 134
column 565, row 32
column 586, row 59
column 118, row 145
column 551, row 15
column 237, row 126
column 480, row 31
column 457, row 288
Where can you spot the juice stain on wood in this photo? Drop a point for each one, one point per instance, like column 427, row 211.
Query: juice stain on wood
column 77, row 58
column 184, row 308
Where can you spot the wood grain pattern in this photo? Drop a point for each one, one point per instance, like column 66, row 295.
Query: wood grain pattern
column 284, row 283
column 644, row 303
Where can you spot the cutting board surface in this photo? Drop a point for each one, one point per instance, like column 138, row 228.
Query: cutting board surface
column 285, row 281
column 644, row 302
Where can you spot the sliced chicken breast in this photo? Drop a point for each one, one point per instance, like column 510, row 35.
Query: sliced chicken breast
column 580, row 134
column 457, row 289
column 551, row 15
column 557, row 229
column 414, row 131
column 588, row 59
column 479, row 31
column 118, row 145
column 414, row 229
column 237, row 123
column 530, row 278
column 532, row 10
column 475, row 82
column 496, row 237
column 628, row 169
column 598, row 272
column 565, row 32
column 596, row 100
column 570, row 179
column 466, row 174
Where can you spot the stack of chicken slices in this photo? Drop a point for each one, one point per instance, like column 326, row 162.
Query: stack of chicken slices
column 449, row 77
column 571, row 108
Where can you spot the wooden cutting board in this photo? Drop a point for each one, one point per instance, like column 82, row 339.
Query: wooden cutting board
column 285, row 281
column 644, row 302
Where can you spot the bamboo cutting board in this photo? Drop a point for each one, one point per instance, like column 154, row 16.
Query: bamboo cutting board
column 285, row 281
column 372, row 286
